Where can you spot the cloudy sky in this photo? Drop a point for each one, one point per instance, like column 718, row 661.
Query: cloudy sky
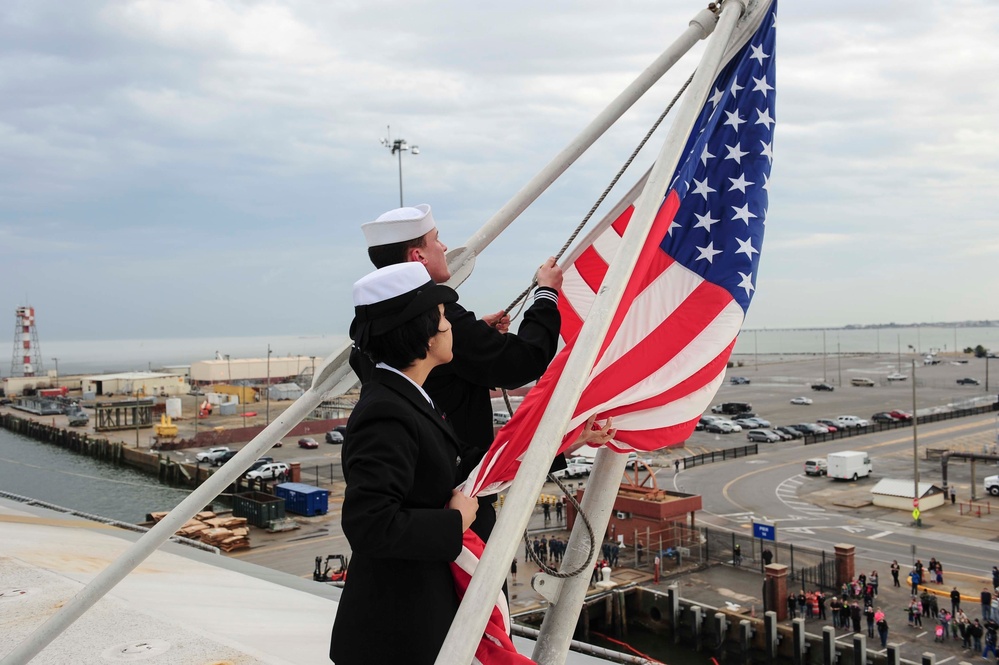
column 196, row 168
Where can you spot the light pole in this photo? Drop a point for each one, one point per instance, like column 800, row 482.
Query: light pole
column 915, row 451
column 398, row 146
column 268, row 388
column 839, row 364
column 56, row 360
column 824, row 356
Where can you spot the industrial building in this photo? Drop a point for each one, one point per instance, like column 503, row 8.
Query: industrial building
column 252, row 370
column 135, row 383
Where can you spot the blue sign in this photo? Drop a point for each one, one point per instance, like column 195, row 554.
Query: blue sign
column 764, row 531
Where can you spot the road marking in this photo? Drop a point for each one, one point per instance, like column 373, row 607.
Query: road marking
column 925, row 632
column 735, row 514
column 798, row 529
column 934, row 434
column 880, row 535
column 941, row 662
column 852, row 529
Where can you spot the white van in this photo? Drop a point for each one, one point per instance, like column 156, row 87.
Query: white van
column 501, row 417
column 860, row 381
column 848, row 465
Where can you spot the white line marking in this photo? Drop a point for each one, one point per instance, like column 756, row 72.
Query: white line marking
column 880, row 535
column 941, row 662
column 925, row 632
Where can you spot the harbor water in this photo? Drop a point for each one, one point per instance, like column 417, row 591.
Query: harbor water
column 48, row 473
column 98, row 356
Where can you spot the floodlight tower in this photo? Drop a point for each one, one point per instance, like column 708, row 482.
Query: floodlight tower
column 398, row 146
column 27, row 359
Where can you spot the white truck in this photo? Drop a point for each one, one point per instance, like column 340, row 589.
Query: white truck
column 848, row 465
column 577, row 467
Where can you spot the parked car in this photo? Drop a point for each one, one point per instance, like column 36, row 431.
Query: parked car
column 789, row 431
column 884, row 417
column 752, row 422
column 784, row 436
column 811, row 428
column 307, row 442
column 764, row 435
column 851, row 421
column 900, row 415
column 895, row 376
column 822, row 386
column 815, row 467
column 829, row 424
column 633, row 461
column 268, row 471
column 722, row 427
column 224, row 457
column 334, row 436
column 863, row 382
column 259, row 462
column 967, row 381
column 739, row 381
column 801, row 400
column 501, row 417
column 992, row 485
column 211, row 454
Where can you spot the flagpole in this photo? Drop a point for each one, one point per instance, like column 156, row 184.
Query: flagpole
column 699, row 28
column 562, row 615
column 467, row 628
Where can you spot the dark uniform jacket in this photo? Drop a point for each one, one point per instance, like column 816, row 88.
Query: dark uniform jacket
column 400, row 460
column 484, row 358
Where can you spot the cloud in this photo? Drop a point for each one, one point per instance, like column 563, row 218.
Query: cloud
column 217, row 157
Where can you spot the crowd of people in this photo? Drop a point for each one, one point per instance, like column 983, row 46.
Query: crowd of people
column 978, row 635
column 547, row 549
column 851, row 607
column 854, row 608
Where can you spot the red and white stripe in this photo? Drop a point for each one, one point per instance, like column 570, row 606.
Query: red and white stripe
column 496, row 647
column 660, row 365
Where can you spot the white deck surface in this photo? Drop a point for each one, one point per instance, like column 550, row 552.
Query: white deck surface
column 180, row 607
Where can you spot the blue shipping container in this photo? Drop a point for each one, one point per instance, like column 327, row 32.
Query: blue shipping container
column 303, row 499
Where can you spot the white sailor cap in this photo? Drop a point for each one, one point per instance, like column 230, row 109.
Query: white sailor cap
column 390, row 296
column 399, row 225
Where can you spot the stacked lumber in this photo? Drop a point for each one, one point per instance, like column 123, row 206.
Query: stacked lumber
column 225, row 532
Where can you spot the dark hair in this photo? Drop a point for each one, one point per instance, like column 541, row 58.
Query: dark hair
column 393, row 253
column 402, row 346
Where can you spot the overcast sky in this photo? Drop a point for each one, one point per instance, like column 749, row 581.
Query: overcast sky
column 193, row 168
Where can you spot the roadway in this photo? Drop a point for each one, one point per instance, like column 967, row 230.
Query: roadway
column 819, row 512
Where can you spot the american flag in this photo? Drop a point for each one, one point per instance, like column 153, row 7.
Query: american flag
column 670, row 339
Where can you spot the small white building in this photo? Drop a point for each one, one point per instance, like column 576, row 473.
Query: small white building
column 898, row 494
column 150, row 384
column 285, row 391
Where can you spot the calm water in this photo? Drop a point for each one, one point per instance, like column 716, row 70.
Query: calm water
column 48, row 473
column 923, row 339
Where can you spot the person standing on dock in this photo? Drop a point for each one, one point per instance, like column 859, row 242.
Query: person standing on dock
column 486, row 356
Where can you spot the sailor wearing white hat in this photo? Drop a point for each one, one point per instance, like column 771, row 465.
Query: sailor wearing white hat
column 401, row 515
column 484, row 357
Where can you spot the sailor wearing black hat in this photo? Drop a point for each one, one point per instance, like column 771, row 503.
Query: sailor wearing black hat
column 401, row 514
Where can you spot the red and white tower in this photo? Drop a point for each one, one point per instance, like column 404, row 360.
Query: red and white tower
column 27, row 359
